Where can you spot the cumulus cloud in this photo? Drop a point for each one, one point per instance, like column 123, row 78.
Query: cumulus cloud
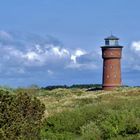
column 135, row 55
column 85, row 60
column 33, row 58
column 39, row 58
column 135, row 46
column 76, row 54
column 30, row 54
column 131, row 57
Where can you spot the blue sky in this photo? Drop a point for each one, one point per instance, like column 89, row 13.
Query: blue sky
column 49, row 42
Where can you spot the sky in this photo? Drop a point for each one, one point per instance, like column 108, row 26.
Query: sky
column 57, row 42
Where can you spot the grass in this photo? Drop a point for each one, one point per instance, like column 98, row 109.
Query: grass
column 59, row 100
column 80, row 114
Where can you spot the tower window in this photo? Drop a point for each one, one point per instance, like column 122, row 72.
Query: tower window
column 113, row 42
column 107, row 42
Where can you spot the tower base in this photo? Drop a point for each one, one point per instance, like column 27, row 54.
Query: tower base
column 110, row 87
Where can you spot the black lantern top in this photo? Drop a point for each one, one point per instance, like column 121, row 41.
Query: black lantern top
column 111, row 41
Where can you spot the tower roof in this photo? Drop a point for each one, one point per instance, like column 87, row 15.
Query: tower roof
column 112, row 37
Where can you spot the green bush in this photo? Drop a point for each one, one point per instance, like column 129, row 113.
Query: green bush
column 65, row 122
column 102, row 121
column 20, row 116
column 58, row 136
column 72, row 121
column 90, row 131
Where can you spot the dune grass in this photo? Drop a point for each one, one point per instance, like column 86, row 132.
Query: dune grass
column 59, row 100
column 82, row 114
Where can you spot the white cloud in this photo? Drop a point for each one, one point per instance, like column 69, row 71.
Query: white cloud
column 61, row 52
column 33, row 56
column 38, row 48
column 76, row 54
column 131, row 57
column 135, row 46
column 37, row 53
column 25, row 54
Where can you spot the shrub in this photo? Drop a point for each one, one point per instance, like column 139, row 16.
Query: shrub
column 102, row 121
column 90, row 131
column 58, row 136
column 72, row 121
column 20, row 116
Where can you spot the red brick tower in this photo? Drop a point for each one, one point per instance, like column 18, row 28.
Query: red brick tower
column 111, row 54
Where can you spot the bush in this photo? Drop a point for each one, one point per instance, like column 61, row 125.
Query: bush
column 58, row 136
column 72, row 121
column 90, row 131
column 102, row 121
column 20, row 116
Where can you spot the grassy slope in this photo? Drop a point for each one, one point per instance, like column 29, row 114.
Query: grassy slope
column 79, row 114
column 59, row 100
column 72, row 113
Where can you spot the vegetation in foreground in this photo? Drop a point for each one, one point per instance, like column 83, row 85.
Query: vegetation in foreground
column 20, row 116
column 92, row 115
column 81, row 114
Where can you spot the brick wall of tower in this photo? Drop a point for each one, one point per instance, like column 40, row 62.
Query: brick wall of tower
column 111, row 67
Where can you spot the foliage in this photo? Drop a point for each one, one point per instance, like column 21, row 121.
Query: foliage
column 20, row 116
column 71, row 114
column 55, row 87
column 90, row 131
column 79, row 86
column 108, row 116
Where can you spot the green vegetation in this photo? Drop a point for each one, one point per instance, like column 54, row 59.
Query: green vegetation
column 75, row 114
column 79, row 86
column 71, row 114
column 20, row 116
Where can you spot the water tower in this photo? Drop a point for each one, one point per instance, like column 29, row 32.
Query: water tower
column 111, row 54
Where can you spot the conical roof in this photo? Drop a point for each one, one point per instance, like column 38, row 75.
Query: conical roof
column 112, row 37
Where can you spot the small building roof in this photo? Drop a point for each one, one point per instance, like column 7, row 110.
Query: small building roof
column 112, row 37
